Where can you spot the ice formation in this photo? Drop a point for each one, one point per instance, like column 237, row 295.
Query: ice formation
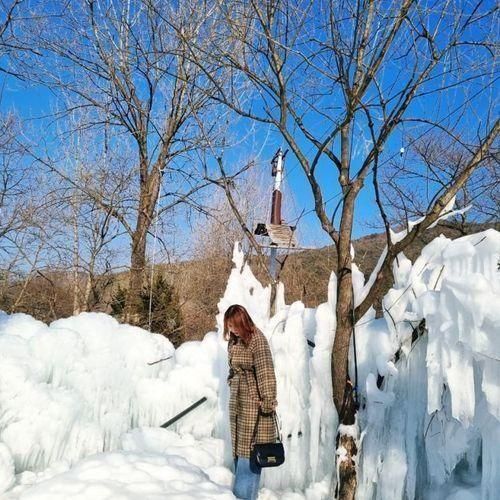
column 432, row 430
column 73, row 388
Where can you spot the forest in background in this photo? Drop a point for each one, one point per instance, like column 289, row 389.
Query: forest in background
column 185, row 294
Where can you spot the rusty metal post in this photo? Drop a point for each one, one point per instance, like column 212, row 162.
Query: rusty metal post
column 277, row 173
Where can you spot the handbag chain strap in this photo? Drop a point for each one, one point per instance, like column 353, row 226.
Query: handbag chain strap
column 259, row 413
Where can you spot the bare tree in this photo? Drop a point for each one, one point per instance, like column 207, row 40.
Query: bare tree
column 201, row 280
column 15, row 185
column 429, row 166
column 340, row 81
column 12, row 180
column 94, row 231
column 125, row 64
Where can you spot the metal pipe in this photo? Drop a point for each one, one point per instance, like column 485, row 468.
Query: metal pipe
column 183, row 412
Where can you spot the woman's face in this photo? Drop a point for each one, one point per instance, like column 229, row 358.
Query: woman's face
column 233, row 329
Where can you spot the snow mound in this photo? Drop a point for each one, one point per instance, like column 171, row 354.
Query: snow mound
column 127, row 476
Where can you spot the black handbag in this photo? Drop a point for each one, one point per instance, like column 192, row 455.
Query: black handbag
column 267, row 454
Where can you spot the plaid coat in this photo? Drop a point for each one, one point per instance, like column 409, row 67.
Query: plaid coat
column 252, row 384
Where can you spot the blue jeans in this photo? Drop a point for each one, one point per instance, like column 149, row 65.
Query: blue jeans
column 246, row 480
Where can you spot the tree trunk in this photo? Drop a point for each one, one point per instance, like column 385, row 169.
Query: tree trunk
column 90, row 284
column 150, row 186
column 343, row 392
column 137, row 269
column 346, row 489
column 88, row 289
column 343, row 396
column 76, row 259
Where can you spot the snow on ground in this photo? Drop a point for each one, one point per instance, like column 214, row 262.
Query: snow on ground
column 126, row 475
column 82, row 399
column 149, row 463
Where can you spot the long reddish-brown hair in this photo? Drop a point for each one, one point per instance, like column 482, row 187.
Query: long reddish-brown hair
column 240, row 318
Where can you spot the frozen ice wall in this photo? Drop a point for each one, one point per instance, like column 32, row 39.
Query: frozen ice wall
column 322, row 413
column 433, row 427
column 150, row 463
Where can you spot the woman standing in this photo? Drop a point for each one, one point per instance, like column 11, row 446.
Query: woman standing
column 252, row 394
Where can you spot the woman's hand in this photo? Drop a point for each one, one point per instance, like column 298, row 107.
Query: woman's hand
column 267, row 406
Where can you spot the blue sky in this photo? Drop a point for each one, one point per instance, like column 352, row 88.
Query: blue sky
column 36, row 105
